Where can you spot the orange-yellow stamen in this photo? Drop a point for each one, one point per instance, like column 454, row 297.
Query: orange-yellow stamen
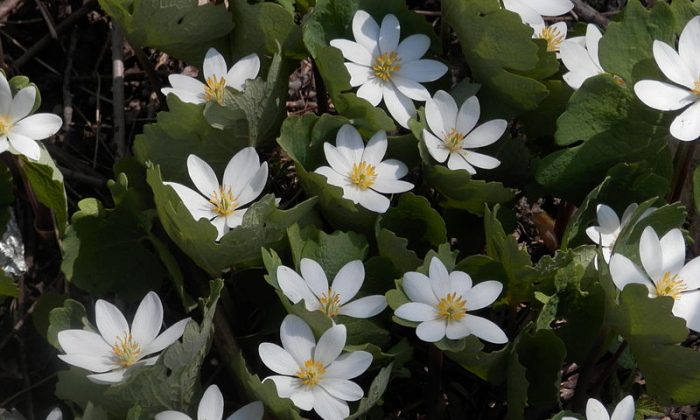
column 126, row 351
column 553, row 37
column 5, row 124
column 385, row 65
column 330, row 303
column 451, row 307
column 363, row 175
column 453, row 140
column 670, row 286
column 311, row 373
column 214, row 90
column 223, row 201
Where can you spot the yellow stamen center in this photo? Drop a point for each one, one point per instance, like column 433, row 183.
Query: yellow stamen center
column 223, row 201
column 126, row 351
column 670, row 286
column 453, row 140
column 385, row 65
column 553, row 37
column 451, row 307
column 311, row 373
column 5, row 124
column 214, row 90
column 696, row 88
column 330, row 303
column 363, row 175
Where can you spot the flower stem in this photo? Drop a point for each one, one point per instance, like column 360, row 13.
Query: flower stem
column 609, row 368
column 681, row 167
column 582, row 385
column 321, row 94
column 435, row 383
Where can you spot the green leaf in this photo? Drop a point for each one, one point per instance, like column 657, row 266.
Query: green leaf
column 47, row 184
column 332, row 251
column 516, row 387
column 94, row 413
column 265, row 28
column 258, row 110
column 71, row 315
column 183, row 131
column 108, row 251
column 181, row 28
column 408, row 230
column 264, row 225
column 8, row 287
column 696, row 189
column 542, row 354
column 671, row 372
column 376, row 390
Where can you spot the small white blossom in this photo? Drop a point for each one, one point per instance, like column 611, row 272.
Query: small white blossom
column 682, row 68
column 665, row 273
column 211, row 407
column 580, row 56
column 531, row 11
column 360, row 171
column 216, row 76
column 610, row 226
column 386, row 69
column 440, row 303
column 453, row 134
column 312, row 287
column 19, row 130
column 597, row 411
column 315, row 376
column 244, row 179
column 118, row 348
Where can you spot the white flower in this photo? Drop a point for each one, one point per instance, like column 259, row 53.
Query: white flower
column 580, row 56
column 211, row 407
column 610, row 226
column 666, row 273
column 531, row 11
column 682, row 68
column 360, row 171
column 597, row 411
column 453, row 133
column 315, row 376
column 55, row 414
column 19, row 129
column 216, row 76
column 386, row 69
column 244, row 180
column 334, row 300
column 440, row 303
column 554, row 34
column 118, row 348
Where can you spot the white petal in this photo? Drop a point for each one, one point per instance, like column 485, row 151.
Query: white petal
column 184, row 96
column 353, row 51
column 349, row 365
column 457, row 330
column 314, row 276
column 329, row 407
column 411, row 88
column 416, row 312
column 332, row 177
column 330, row 345
column 686, row 127
column 391, row 186
column 485, row 329
column 595, row 410
column 252, row 411
column 285, row 385
column 422, row 70
column 167, row 337
column 211, row 405
column 373, row 201
column 439, row 277
column 24, row 145
column 671, row 64
column 651, row 254
column 5, row 95
column 551, row 7
column 527, row 14
column 83, row 342
column 359, row 75
column 460, row 282
column 349, row 143
column 148, row 320
column 246, row 68
column 240, row 170
column 485, row 134
column 441, row 113
column 365, row 30
column 624, row 409
column 483, row 294
column 172, row 415
column 688, row 308
column 468, row 115
column 55, row 414
column 399, row 105
column 690, row 274
column 255, row 186
column 662, row 96
column 293, row 285
column 435, row 147
column 365, row 307
column 607, row 218
column 673, row 250
column 417, row 287
column 349, row 280
column 303, row 398
column 391, row 168
column 110, row 321
column 413, row 47
column 214, row 64
column 593, row 37
column 113, row 377
column 336, row 159
column 371, row 91
column 202, row 175
column 342, row 389
column 277, row 359
column 576, row 78
column 431, row 331
column 297, row 338
column 197, row 205
column 376, row 148
column 389, row 34
column 22, row 103
column 457, row 162
column 624, row 272
column 688, row 45
column 93, row 363
column 577, row 61
column 188, row 84
column 38, row 126
column 236, row 219
column 480, row 160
